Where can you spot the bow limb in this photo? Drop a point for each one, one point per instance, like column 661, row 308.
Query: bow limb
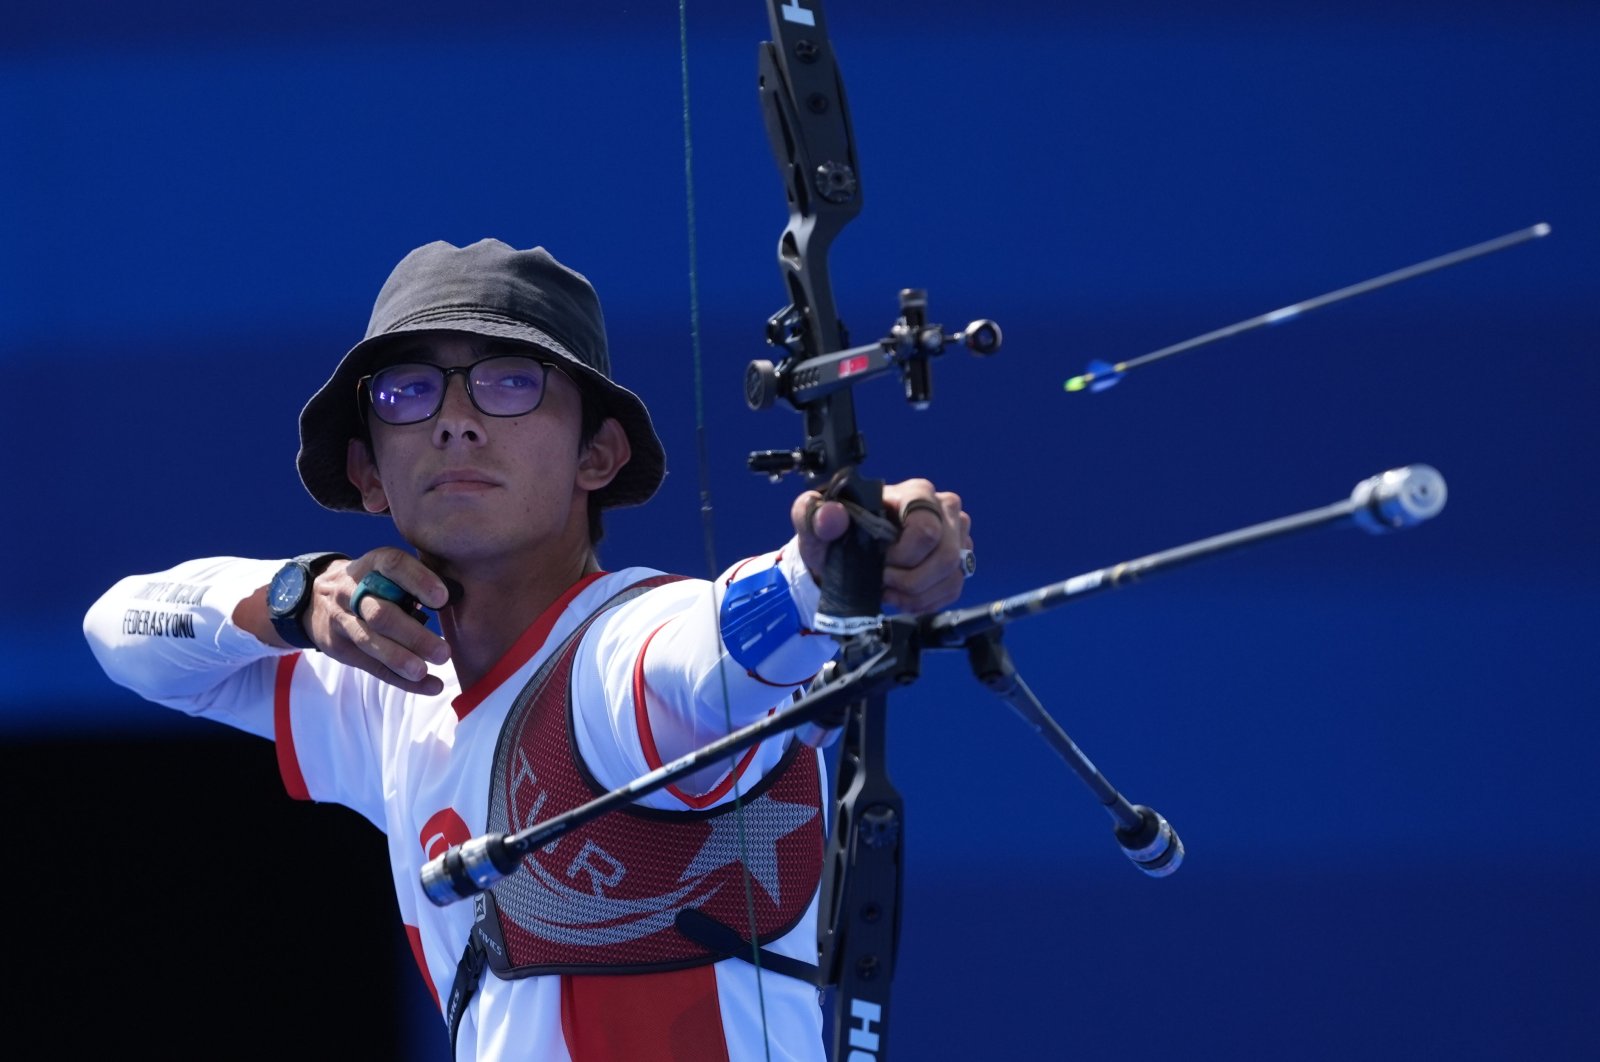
column 808, row 126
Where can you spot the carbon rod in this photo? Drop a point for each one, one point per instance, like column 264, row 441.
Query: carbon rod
column 1392, row 500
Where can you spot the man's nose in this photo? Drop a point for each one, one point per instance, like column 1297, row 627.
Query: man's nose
column 458, row 417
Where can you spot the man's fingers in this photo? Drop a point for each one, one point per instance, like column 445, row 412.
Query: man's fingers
column 377, row 653
column 925, row 505
column 935, row 595
column 405, row 571
column 821, row 520
column 397, row 622
column 920, row 534
column 923, row 566
column 368, row 630
column 930, row 585
column 929, row 522
column 400, row 626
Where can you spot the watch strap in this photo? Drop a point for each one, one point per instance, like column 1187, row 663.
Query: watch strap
column 288, row 623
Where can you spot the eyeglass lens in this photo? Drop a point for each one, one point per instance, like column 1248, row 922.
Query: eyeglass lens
column 505, row 386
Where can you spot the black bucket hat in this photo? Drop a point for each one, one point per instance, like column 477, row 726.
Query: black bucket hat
column 486, row 289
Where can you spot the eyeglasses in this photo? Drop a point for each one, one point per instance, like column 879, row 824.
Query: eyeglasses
column 507, row 385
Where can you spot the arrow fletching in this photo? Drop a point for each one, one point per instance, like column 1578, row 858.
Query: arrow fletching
column 1101, row 376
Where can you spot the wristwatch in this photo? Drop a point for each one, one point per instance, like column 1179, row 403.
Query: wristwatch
column 289, row 595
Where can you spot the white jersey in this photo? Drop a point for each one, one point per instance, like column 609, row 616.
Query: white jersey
column 419, row 769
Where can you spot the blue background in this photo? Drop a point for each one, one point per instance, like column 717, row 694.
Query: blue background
column 1380, row 752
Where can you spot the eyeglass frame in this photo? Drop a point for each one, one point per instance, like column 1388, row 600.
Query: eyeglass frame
column 364, row 386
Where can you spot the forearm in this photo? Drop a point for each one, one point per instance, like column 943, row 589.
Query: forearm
column 172, row 638
column 250, row 615
column 702, row 679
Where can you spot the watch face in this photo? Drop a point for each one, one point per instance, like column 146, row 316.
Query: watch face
column 287, row 588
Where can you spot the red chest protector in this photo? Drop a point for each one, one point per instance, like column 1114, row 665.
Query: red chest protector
column 618, row 894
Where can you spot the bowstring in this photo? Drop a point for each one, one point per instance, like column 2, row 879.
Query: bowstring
column 707, row 518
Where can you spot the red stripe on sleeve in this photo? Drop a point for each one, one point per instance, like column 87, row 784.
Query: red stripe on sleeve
column 733, row 573
column 655, row 1017
column 647, row 741
column 283, row 729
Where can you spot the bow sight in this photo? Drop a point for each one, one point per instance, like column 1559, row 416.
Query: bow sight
column 910, row 343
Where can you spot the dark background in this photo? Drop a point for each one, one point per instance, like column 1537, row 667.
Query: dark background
column 1380, row 752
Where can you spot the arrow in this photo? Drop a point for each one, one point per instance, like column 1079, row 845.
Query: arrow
column 1102, row 375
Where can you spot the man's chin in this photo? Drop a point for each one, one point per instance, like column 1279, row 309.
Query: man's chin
column 453, row 537
column 474, row 527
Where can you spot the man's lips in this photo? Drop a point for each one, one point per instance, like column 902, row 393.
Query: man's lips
column 462, row 480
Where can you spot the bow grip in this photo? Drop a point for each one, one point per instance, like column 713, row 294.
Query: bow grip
column 852, row 568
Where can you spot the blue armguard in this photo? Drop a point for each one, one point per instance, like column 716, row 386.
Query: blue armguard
column 758, row 615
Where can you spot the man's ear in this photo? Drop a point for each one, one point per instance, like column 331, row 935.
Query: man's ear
column 604, row 457
column 362, row 469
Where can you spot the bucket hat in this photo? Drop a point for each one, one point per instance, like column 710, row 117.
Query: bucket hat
column 488, row 289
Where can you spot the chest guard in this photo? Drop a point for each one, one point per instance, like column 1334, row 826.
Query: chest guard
column 620, row 893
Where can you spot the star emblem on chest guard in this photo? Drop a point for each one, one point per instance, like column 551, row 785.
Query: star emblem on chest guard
column 761, row 846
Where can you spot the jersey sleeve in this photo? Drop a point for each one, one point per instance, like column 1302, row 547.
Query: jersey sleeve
column 656, row 682
column 170, row 638
column 335, row 727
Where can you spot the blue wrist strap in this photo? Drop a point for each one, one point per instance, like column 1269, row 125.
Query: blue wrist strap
column 758, row 616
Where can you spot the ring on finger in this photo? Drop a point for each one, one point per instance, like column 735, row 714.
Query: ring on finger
column 921, row 503
column 969, row 564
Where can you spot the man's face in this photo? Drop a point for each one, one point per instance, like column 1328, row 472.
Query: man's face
column 464, row 485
